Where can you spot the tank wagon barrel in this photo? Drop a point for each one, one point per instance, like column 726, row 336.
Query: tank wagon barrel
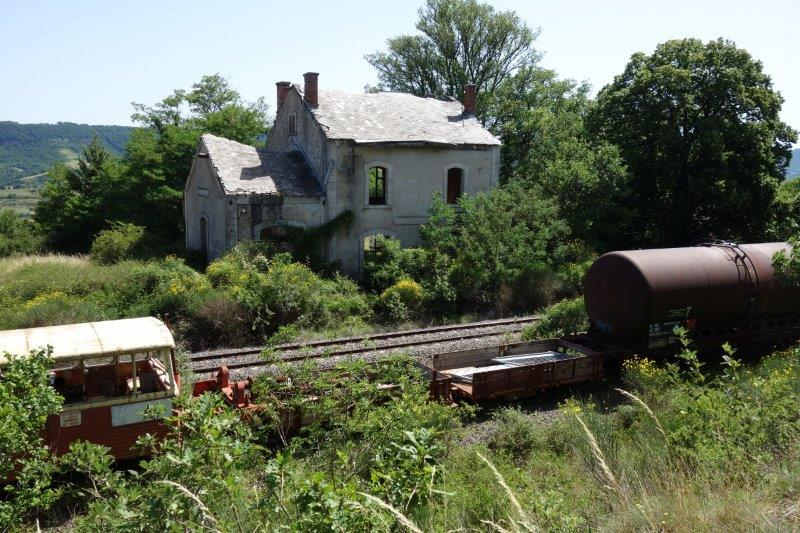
column 720, row 290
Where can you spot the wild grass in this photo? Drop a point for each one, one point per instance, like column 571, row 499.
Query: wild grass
column 10, row 264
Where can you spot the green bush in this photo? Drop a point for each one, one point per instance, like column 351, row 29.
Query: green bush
column 277, row 292
column 515, row 435
column 402, row 300
column 566, row 317
column 17, row 235
column 117, row 243
column 504, row 246
column 26, row 400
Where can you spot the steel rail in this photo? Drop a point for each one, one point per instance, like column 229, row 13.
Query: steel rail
column 220, row 357
column 202, row 356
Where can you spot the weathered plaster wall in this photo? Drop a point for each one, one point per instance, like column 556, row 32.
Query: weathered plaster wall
column 203, row 197
column 414, row 175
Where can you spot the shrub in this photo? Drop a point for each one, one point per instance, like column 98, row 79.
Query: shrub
column 26, row 400
column 199, row 475
column 515, row 434
column 407, row 291
column 401, row 301
column 277, row 292
column 117, row 243
column 566, row 317
column 504, row 245
column 17, row 235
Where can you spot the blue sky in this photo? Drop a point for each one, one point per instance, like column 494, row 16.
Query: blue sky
column 86, row 61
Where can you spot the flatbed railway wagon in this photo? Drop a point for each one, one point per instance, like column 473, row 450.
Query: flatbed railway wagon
column 513, row 370
column 117, row 378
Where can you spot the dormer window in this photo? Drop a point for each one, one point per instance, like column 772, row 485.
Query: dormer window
column 377, row 186
column 293, row 124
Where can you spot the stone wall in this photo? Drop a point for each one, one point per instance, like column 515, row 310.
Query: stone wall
column 203, row 198
column 414, row 175
column 309, row 139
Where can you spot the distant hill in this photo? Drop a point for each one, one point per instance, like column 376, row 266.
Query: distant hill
column 794, row 167
column 27, row 151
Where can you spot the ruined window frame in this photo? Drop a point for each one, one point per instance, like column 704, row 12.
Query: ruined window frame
column 387, row 187
column 373, row 233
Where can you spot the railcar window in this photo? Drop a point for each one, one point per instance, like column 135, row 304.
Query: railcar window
column 109, row 378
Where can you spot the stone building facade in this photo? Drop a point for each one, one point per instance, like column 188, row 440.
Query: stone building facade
column 381, row 156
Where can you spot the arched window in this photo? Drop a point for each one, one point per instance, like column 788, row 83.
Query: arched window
column 455, row 184
column 377, row 186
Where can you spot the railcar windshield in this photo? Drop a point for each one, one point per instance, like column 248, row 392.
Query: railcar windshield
column 106, row 380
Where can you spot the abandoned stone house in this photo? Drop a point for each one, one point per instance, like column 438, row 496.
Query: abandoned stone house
column 381, row 156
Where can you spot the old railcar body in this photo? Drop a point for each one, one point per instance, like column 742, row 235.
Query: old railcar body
column 720, row 291
column 117, row 378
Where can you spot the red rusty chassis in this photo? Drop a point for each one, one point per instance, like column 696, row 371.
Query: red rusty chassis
column 579, row 364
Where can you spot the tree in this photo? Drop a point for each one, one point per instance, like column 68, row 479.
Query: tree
column 462, row 42
column 159, row 155
column 145, row 187
column 541, row 121
column 505, row 245
column 698, row 126
column 76, row 203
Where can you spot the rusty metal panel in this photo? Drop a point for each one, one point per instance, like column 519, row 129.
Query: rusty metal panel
column 627, row 291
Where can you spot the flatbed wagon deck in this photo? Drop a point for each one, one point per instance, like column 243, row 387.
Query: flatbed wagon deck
column 512, row 370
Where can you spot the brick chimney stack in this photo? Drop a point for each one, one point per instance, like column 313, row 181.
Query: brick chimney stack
column 283, row 90
column 310, row 92
column 470, row 98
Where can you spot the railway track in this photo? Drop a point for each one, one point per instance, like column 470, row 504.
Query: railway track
column 206, row 363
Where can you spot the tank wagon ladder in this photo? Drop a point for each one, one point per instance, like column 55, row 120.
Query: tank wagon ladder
column 748, row 273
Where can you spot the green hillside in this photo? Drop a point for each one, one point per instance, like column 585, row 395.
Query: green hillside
column 29, row 150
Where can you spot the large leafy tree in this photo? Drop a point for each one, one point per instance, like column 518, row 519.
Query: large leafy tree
column 76, row 202
column 145, row 187
column 698, row 126
column 461, row 42
column 541, row 121
column 159, row 155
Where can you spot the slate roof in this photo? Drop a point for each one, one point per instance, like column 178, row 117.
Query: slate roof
column 242, row 169
column 397, row 117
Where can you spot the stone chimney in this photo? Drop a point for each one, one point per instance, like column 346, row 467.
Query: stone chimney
column 283, row 90
column 310, row 92
column 470, row 98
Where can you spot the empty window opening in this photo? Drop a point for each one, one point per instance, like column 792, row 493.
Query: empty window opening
column 377, row 186
column 455, row 184
column 292, row 124
column 373, row 244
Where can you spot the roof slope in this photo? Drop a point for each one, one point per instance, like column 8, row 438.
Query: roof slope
column 88, row 339
column 398, row 117
column 242, row 169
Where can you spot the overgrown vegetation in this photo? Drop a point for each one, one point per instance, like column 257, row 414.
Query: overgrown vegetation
column 678, row 449
column 684, row 445
column 26, row 400
column 245, row 296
